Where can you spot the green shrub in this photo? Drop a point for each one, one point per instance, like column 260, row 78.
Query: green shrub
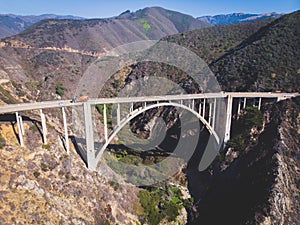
column 33, row 128
column 60, row 90
column 36, row 174
column 238, row 143
column 162, row 203
column 149, row 202
column 44, row 167
column 171, row 210
column 145, row 23
column 2, row 141
column 46, row 146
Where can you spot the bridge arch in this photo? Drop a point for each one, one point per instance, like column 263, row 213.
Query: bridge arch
column 142, row 109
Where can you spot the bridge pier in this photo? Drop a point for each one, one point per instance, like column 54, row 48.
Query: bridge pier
column 89, row 136
column 20, row 128
column 66, row 130
column 228, row 119
column 44, row 128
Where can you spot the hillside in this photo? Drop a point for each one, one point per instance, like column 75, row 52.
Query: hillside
column 11, row 24
column 98, row 34
column 266, row 61
column 55, row 53
column 212, row 42
column 208, row 43
column 235, row 18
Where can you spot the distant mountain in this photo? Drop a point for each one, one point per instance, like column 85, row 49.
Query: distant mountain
column 11, row 24
column 95, row 35
column 58, row 51
column 266, row 61
column 235, row 18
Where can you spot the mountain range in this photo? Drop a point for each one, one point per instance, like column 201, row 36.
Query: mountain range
column 235, row 18
column 11, row 24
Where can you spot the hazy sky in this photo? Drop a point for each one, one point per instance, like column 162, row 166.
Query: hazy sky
column 103, row 9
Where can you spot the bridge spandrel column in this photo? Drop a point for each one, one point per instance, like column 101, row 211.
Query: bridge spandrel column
column 203, row 109
column 210, row 113
column 245, row 103
column 214, row 114
column 259, row 103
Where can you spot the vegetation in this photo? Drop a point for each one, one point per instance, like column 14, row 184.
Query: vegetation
column 146, row 24
column 2, row 141
column 100, row 109
column 47, row 146
column 251, row 118
column 265, row 61
column 60, row 90
column 44, row 167
column 212, row 42
column 36, row 174
column 6, row 96
column 162, row 203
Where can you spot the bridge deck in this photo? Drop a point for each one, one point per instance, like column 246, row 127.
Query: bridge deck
column 68, row 103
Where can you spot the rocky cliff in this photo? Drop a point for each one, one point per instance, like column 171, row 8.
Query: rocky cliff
column 260, row 184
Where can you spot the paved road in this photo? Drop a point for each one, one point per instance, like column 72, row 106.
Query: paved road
column 67, row 103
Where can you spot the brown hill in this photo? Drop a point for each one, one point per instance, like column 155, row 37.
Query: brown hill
column 54, row 54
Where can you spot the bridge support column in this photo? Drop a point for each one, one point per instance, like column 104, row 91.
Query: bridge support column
column 89, row 136
column 44, row 128
column 210, row 113
column 259, row 103
column 239, row 108
column 118, row 115
column 245, row 103
column 228, row 119
column 20, row 128
column 214, row 115
column 131, row 107
column 105, row 123
column 66, row 130
column 200, row 108
column 203, row 110
column 193, row 104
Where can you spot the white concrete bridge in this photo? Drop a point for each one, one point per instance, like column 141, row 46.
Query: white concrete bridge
column 204, row 106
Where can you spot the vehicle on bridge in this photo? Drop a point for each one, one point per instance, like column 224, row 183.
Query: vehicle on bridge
column 80, row 99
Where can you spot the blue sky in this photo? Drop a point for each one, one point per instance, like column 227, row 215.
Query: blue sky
column 104, row 9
